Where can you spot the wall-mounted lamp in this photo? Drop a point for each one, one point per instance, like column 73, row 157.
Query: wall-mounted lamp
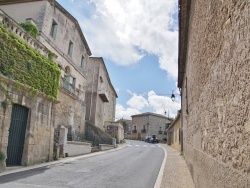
column 173, row 97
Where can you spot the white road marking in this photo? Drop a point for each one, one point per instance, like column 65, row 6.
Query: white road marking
column 145, row 145
column 137, row 145
column 129, row 145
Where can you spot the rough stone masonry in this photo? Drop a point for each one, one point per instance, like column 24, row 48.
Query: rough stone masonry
column 215, row 53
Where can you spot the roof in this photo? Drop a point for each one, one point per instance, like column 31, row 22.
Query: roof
column 150, row 113
column 100, row 58
column 184, row 8
column 5, row 2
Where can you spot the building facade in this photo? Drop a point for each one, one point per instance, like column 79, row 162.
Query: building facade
column 214, row 80
column 174, row 133
column 60, row 32
column 147, row 124
column 100, row 94
column 26, row 111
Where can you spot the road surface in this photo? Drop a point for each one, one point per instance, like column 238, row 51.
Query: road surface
column 135, row 166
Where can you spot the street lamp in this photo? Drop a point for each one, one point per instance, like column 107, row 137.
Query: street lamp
column 173, row 97
column 166, row 112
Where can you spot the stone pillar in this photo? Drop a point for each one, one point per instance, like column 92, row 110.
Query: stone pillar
column 63, row 140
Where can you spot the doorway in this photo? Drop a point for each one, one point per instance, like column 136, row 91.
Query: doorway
column 17, row 131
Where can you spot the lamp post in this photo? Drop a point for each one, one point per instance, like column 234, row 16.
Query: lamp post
column 166, row 112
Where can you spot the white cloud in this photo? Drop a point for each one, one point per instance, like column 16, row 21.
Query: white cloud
column 162, row 104
column 122, row 30
column 138, row 102
column 122, row 113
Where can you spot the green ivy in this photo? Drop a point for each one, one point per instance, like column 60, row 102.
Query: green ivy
column 19, row 61
column 30, row 28
column 2, row 155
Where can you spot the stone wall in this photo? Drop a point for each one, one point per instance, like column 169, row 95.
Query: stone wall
column 215, row 94
column 70, row 112
column 38, row 144
column 77, row 148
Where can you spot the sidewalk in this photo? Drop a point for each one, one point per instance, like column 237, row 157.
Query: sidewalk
column 176, row 173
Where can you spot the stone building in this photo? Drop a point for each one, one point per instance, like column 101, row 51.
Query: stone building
column 148, row 124
column 127, row 124
column 115, row 130
column 214, row 76
column 100, row 94
column 26, row 110
column 174, row 133
column 60, row 32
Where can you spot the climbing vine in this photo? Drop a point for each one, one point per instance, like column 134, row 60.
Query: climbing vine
column 30, row 28
column 20, row 62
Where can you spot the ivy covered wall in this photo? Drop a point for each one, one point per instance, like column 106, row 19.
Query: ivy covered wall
column 21, row 62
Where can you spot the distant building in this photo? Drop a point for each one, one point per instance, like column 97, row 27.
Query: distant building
column 127, row 125
column 115, row 130
column 100, row 94
column 148, row 124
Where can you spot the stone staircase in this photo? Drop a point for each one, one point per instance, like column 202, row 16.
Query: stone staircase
column 96, row 136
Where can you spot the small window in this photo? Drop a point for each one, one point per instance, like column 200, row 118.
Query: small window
column 70, row 50
column 53, row 29
column 83, row 62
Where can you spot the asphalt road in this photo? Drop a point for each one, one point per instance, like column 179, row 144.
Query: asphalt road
column 135, row 166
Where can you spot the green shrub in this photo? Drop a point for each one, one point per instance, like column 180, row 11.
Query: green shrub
column 21, row 62
column 2, row 155
column 30, row 28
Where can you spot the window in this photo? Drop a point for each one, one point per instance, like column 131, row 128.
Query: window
column 70, row 48
column 53, row 29
column 83, row 62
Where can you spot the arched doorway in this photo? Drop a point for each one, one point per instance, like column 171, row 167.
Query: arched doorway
column 17, row 131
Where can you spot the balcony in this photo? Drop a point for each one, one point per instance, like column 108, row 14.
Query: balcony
column 103, row 94
column 20, row 32
column 143, row 131
column 160, row 132
column 69, row 88
column 165, row 132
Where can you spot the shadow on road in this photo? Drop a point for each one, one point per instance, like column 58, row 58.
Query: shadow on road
column 21, row 175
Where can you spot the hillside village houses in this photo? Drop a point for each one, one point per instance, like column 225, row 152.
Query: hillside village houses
column 60, row 37
column 214, row 80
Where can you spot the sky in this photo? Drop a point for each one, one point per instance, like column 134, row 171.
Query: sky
column 138, row 40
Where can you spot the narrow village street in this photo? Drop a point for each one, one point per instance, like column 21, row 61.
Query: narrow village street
column 136, row 165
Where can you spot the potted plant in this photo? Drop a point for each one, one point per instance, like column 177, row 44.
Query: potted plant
column 2, row 161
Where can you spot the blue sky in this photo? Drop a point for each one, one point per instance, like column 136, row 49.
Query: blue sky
column 138, row 40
